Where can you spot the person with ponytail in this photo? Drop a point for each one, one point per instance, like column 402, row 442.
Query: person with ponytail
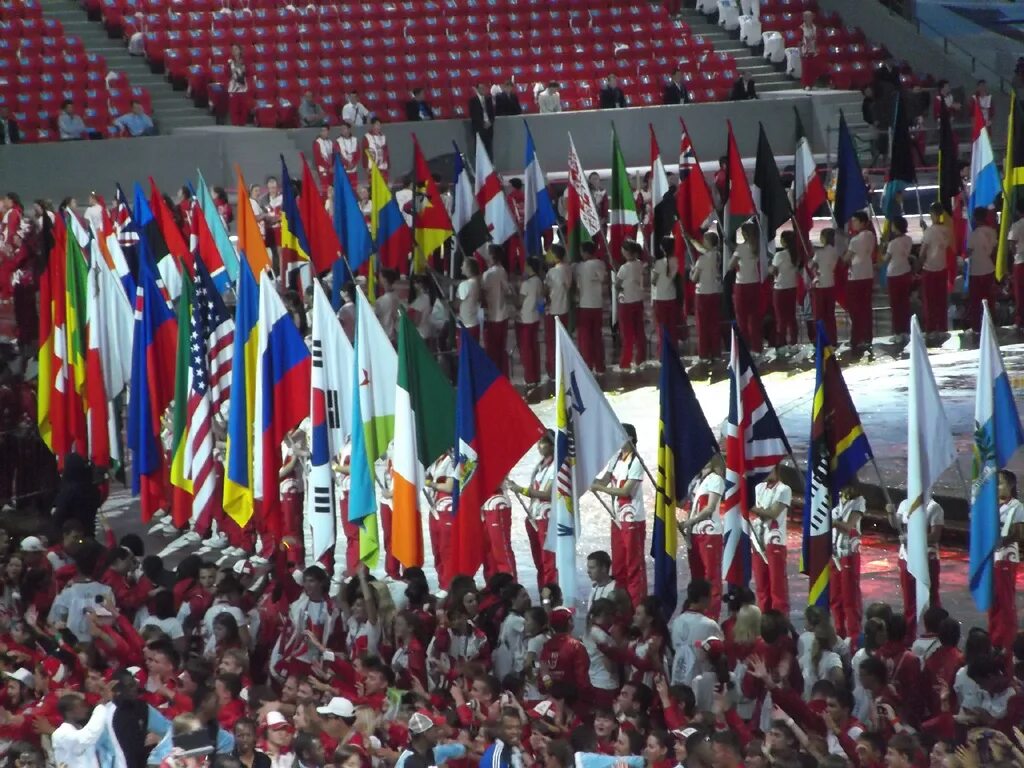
column 747, row 292
column 784, row 268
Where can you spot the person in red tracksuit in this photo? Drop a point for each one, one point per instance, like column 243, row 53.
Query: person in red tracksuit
column 563, row 659
column 899, row 277
column 706, row 273
column 324, row 150
column 860, row 257
column 349, row 531
column 746, row 294
column 703, row 531
column 935, row 519
column 590, row 277
column 495, row 287
column 772, row 500
column 844, row 583
column 528, row 306
column 630, row 281
column 557, row 283
column 623, row 481
column 823, row 295
column 392, row 567
column 440, row 478
column 981, row 254
column 935, row 242
column 539, row 494
column 1002, row 616
column 497, row 514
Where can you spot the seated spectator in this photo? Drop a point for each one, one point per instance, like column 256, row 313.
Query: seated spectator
column 743, row 89
column 9, row 131
column 549, row 100
column 136, row 122
column 506, row 103
column 416, row 108
column 311, row 114
column 612, row 96
column 71, row 126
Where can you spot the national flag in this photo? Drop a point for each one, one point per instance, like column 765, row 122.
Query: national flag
column 220, row 240
column 250, row 239
column 808, row 189
column 107, row 247
column 323, row 240
column 152, row 388
column 494, row 428
column 1013, row 179
column 539, row 214
column 985, row 184
column 851, row 191
column 176, row 244
column 181, row 501
column 391, row 235
column 350, row 226
column 152, row 247
column 330, row 410
column 238, row 479
column 282, row 384
column 622, row 216
column 754, row 444
column 219, row 328
column 901, row 162
column 88, row 396
column 49, row 401
column 374, row 374
column 739, row 201
column 431, row 222
column 491, row 197
column 424, row 430
column 770, row 196
column 588, row 435
column 837, row 450
column 693, row 198
column 997, row 437
column 295, row 245
column 127, row 235
column 467, row 218
column 685, row 444
column 663, row 204
column 950, row 182
column 582, row 221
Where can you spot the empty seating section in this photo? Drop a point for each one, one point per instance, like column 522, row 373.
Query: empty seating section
column 40, row 67
column 383, row 49
column 850, row 58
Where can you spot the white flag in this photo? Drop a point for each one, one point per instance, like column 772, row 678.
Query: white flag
column 491, row 197
column 930, row 451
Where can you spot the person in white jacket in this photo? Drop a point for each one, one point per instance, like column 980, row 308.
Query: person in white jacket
column 74, row 741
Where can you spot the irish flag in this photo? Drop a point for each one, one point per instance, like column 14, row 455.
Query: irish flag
column 424, row 429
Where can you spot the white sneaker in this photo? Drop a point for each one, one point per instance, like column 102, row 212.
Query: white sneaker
column 234, row 552
column 217, row 541
column 189, row 538
column 163, row 525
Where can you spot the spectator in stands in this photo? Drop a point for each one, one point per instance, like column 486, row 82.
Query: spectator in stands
column 675, row 89
column 136, row 122
column 810, row 68
column 238, row 87
column 71, row 126
column 9, row 131
column 416, row 108
column 743, row 89
column 354, row 113
column 611, row 96
column 311, row 114
column 481, row 115
column 549, row 100
column 506, row 103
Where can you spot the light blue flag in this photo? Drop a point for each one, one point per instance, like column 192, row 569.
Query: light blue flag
column 217, row 229
column 997, row 436
column 539, row 214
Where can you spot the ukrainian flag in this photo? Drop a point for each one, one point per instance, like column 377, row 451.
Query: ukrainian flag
column 685, row 444
column 238, row 480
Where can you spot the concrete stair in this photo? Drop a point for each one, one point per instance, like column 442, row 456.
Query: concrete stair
column 171, row 109
column 767, row 77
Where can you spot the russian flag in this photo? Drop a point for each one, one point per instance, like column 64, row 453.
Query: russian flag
column 282, row 398
column 985, row 184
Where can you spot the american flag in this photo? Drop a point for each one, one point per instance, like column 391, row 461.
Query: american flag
column 219, row 336
column 567, row 452
column 126, row 234
column 754, row 443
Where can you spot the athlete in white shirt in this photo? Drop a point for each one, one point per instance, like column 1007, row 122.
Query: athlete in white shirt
column 746, row 295
column 495, row 291
column 468, row 297
column 530, row 297
column 664, row 300
column 591, row 277
column 844, row 585
column 784, row 268
column 557, row 284
column 981, row 254
column 860, row 257
column 772, row 501
column 935, row 518
column 702, row 531
column 74, row 742
column 934, row 286
column 539, row 494
column 1002, row 616
column 899, row 277
column 823, row 298
column 630, row 280
column 707, row 274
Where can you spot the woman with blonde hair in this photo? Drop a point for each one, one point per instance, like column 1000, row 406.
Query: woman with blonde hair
column 822, row 661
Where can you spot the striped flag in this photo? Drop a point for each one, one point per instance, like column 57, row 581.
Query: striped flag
column 622, row 216
column 491, row 197
column 219, row 327
column 127, row 235
column 539, row 214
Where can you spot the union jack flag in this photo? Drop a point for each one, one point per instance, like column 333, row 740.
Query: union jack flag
column 754, row 443
column 127, row 235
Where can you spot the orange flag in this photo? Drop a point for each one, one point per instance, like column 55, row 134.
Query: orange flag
column 250, row 239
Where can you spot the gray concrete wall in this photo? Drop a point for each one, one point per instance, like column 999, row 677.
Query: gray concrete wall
column 60, row 169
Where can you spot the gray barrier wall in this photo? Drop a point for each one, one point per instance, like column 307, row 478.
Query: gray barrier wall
column 72, row 169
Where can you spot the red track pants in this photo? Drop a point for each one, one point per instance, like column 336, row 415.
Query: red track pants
column 542, row 558
column 709, row 331
column 710, row 548
column 496, row 342
column 978, row 289
column 934, row 307
column 784, row 304
column 908, row 586
column 1002, row 616
column 238, row 108
column 629, row 567
column 823, row 305
column 845, row 598
column 747, row 305
column 528, row 341
column 899, row 302
column 440, row 530
column 392, row 567
column 770, row 580
column 631, row 331
column 498, row 557
column 858, row 293
column 589, row 338
column 666, row 315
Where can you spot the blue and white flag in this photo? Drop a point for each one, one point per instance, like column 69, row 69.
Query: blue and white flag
column 539, row 214
column 985, row 183
column 997, row 436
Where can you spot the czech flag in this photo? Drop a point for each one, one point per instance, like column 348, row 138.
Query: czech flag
column 282, row 398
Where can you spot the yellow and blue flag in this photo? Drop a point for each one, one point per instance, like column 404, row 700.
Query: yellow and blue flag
column 293, row 233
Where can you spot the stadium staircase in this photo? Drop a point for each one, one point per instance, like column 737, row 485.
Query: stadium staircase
column 170, row 110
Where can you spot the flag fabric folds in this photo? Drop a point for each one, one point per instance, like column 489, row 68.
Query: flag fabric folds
column 851, row 191
column 950, row 182
column 293, row 230
column 1013, row 179
column 693, row 198
column 282, row 383
column 49, row 402
column 622, row 216
column 985, row 184
column 350, row 226
column 808, row 189
column 754, row 444
column 432, row 224
column 739, row 201
column 582, row 221
column 175, row 240
column 901, row 162
column 330, row 410
column 663, row 205
column 587, row 436
column 424, row 430
column 181, row 500
column 685, row 444
column 837, row 450
column 153, row 248
column 997, row 436
column 238, row 479
column 391, row 235
column 323, row 240
column 218, row 230
column 494, row 428
column 467, row 218
column 491, row 197
column 250, row 239
column 539, row 214
column 770, row 195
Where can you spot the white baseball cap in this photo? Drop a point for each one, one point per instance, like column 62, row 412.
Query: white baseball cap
column 23, row 676
column 32, row 544
column 276, row 720
column 422, row 721
column 338, row 707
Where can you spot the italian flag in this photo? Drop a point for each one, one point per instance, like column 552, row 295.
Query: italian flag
column 424, row 429
column 582, row 222
column 622, row 218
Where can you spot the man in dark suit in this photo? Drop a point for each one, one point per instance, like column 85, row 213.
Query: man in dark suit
column 416, row 108
column 506, row 103
column 612, row 96
column 743, row 89
column 481, row 114
column 675, row 89
column 9, row 131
